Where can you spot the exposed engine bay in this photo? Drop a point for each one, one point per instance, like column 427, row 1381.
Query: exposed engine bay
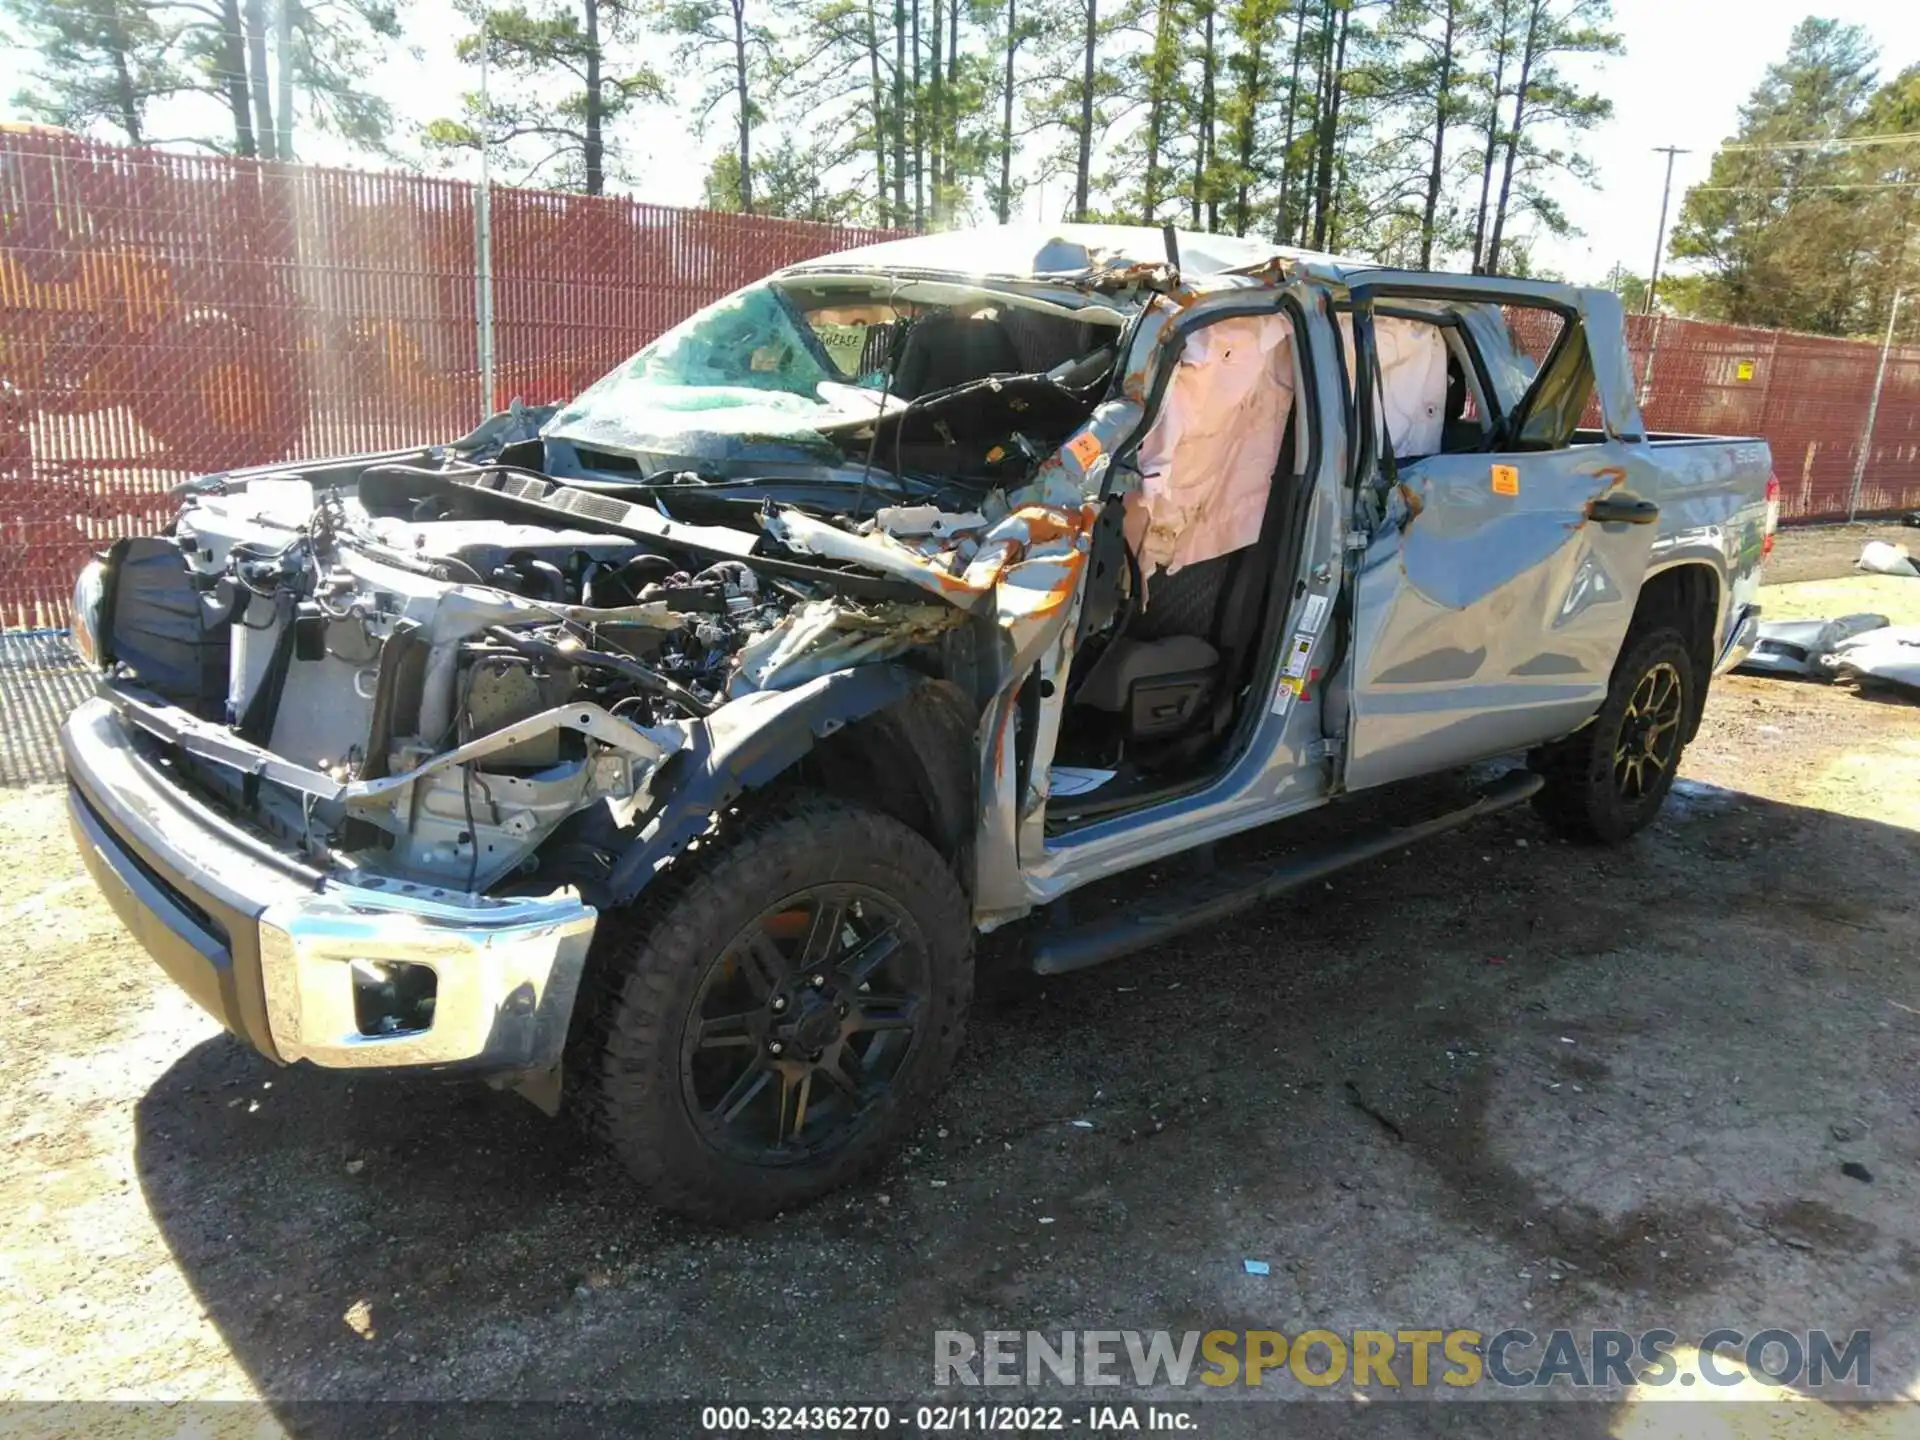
column 437, row 695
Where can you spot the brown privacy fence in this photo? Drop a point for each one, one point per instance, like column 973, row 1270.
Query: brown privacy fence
column 165, row 315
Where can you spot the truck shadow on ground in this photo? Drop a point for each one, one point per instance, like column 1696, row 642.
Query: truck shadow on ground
column 1495, row 1081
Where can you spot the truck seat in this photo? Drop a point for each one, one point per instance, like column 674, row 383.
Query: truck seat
column 943, row 351
column 1189, row 652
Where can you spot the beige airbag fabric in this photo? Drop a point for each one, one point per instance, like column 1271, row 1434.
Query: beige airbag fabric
column 1413, row 380
column 1207, row 463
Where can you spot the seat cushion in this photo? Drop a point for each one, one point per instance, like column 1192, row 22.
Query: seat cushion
column 1186, row 602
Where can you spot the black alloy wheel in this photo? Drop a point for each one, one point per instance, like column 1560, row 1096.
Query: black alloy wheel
column 1608, row 779
column 741, row 1069
column 802, row 1022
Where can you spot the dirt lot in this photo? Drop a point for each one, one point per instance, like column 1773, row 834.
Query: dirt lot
column 1822, row 552
column 1494, row 1081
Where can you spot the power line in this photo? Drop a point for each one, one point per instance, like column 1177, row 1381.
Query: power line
column 1776, row 189
column 1837, row 144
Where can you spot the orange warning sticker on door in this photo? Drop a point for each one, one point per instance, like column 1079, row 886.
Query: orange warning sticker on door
column 1085, row 447
column 1506, row 480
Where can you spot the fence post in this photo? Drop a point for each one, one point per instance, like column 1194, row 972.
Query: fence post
column 483, row 257
column 1873, row 413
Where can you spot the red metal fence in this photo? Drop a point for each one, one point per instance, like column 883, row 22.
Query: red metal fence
column 1807, row 394
column 164, row 315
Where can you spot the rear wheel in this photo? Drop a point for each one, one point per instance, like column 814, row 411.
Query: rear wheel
column 774, row 1020
column 1608, row 780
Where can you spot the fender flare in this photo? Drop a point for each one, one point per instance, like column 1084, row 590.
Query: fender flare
column 744, row 746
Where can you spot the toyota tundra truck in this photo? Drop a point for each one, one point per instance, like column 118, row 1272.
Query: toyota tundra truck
column 661, row 754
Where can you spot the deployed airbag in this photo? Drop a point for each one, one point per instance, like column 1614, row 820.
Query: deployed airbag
column 1413, row 380
column 1207, row 463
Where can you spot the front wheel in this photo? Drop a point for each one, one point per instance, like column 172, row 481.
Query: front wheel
column 775, row 1019
column 1608, row 780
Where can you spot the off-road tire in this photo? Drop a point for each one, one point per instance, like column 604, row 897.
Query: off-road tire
column 644, row 985
column 1582, row 798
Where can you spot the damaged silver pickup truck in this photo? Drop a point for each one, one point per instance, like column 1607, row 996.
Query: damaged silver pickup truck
column 661, row 754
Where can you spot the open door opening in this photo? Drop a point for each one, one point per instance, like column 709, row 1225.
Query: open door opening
column 1199, row 560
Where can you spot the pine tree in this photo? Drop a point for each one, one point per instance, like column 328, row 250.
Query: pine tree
column 1543, row 98
column 100, row 62
column 1779, row 236
column 560, row 88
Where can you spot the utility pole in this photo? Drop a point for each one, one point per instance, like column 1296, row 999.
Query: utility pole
column 1873, row 412
column 1660, row 240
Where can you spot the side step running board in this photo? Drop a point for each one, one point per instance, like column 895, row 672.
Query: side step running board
column 1215, row 897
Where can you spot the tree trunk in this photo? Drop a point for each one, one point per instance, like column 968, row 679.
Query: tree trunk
column 283, row 54
column 124, row 100
column 231, row 74
column 1329, row 137
column 1250, row 99
column 593, row 150
column 1527, row 57
column 919, row 130
column 950, row 179
column 936, row 112
column 1493, row 138
column 1005, row 206
column 1442, row 90
column 1283, row 230
column 1158, row 80
column 1322, row 96
column 258, row 82
column 742, row 100
column 1203, row 132
column 879, row 109
column 1083, row 164
column 899, row 111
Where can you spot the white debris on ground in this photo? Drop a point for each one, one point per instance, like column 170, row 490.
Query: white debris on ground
column 1880, row 558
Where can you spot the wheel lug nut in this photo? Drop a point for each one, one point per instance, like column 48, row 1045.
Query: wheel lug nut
column 779, row 1003
column 819, row 981
column 774, row 1047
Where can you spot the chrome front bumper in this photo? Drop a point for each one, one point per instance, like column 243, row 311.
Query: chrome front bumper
column 506, row 974
column 267, row 945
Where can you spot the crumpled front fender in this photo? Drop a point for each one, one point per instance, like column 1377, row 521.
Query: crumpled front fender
column 743, row 746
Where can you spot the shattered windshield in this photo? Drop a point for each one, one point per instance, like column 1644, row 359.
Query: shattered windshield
column 770, row 360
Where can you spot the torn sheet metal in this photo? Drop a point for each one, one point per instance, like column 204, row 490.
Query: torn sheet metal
column 930, row 565
column 1802, row 647
column 909, row 522
column 826, row 635
column 1023, row 569
column 1207, row 463
column 1882, row 659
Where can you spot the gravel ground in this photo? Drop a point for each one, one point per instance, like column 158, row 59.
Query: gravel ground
column 1495, row 1080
